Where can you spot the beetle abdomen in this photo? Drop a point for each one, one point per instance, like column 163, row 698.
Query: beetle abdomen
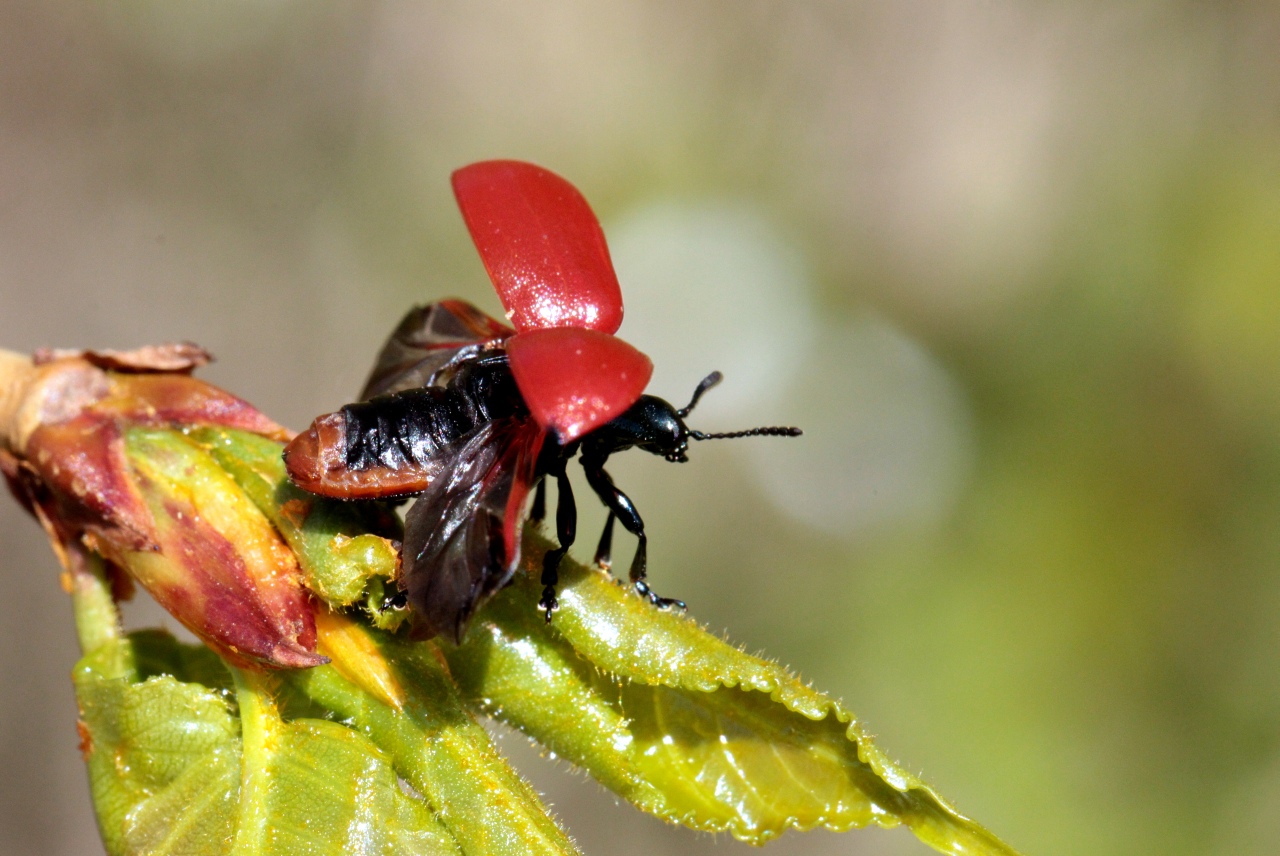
column 408, row 429
column 393, row 445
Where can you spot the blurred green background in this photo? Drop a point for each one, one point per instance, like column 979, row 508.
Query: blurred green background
column 1015, row 268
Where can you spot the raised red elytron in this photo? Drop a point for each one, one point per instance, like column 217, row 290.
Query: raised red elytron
column 542, row 246
column 546, row 254
column 473, row 415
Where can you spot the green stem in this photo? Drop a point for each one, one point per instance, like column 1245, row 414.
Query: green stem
column 97, row 620
column 261, row 729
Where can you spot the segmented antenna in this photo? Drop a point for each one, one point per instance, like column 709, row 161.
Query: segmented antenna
column 706, row 384
column 770, row 431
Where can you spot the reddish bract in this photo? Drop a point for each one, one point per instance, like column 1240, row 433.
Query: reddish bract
column 542, row 246
column 575, row 380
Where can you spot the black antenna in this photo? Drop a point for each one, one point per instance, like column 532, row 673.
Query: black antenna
column 771, row 431
column 706, row 384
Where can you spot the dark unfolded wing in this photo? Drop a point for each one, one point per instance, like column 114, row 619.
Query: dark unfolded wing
column 462, row 536
column 428, row 339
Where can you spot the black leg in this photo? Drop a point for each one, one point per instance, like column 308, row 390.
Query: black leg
column 640, row 561
column 538, row 512
column 621, row 507
column 638, row 567
column 566, row 530
column 399, row 600
column 605, row 551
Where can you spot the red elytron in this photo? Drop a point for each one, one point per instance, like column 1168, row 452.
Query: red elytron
column 542, row 246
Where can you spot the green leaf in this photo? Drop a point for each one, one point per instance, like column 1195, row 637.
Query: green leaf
column 341, row 560
column 315, row 787
column 195, row 751
column 414, row 712
column 436, row 744
column 171, row 774
column 684, row 725
column 163, row 756
column 674, row 719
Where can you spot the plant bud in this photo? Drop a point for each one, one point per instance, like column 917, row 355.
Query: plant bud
column 94, row 446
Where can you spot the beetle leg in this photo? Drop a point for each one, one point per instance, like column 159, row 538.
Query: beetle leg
column 538, row 511
column 621, row 507
column 605, row 550
column 399, row 600
column 566, row 530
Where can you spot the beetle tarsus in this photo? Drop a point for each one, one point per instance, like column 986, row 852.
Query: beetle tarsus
column 550, row 577
column 642, row 589
column 399, row 600
column 549, row 603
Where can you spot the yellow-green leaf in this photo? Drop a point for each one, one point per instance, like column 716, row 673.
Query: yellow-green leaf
column 170, row 773
column 316, row 787
column 414, row 712
column 332, row 540
column 686, row 726
column 669, row 716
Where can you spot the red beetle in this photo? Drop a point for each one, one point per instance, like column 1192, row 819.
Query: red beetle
column 472, row 415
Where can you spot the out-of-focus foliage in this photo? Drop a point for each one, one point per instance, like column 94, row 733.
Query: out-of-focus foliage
column 1032, row 245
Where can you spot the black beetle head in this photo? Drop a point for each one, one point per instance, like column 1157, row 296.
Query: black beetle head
column 651, row 424
column 654, row 425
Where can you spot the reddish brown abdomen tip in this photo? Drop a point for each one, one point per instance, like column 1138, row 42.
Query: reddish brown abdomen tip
column 302, row 459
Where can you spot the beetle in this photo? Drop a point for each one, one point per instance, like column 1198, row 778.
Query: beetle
column 472, row 415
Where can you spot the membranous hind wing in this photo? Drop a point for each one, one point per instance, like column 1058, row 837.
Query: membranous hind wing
column 462, row 536
column 428, row 342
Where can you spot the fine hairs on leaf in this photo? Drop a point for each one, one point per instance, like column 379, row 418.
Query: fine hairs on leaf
column 292, row 735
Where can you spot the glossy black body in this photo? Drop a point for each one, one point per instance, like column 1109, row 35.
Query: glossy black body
column 412, row 428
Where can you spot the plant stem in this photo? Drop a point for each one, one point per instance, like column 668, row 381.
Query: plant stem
column 97, row 620
column 260, row 730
